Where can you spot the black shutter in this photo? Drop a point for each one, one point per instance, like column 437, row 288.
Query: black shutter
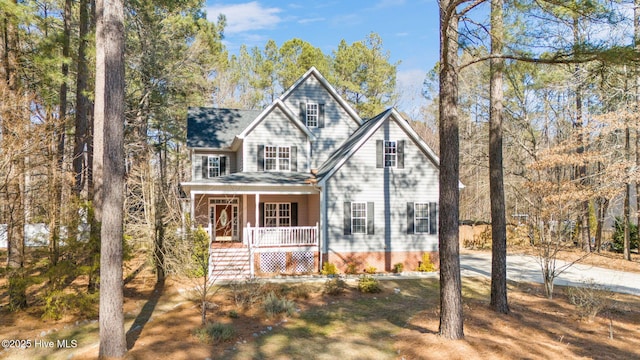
column 379, row 153
column 294, row 214
column 293, row 153
column 370, row 214
column 303, row 113
column 433, row 218
column 260, row 157
column 223, row 165
column 347, row 218
column 410, row 219
column 205, row 167
column 261, row 214
column 320, row 115
column 400, row 153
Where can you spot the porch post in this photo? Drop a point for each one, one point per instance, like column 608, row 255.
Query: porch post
column 252, row 270
column 257, row 224
column 244, row 218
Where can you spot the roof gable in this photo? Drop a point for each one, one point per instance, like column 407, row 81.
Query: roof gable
column 279, row 105
column 363, row 134
column 330, row 89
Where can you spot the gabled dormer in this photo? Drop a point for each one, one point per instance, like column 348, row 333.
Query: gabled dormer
column 277, row 141
column 327, row 115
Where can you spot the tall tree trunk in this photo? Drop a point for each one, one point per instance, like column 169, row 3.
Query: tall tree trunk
column 59, row 141
column 581, row 171
column 15, row 187
column 496, row 176
column 636, row 43
column 110, row 109
column 451, row 318
column 627, row 199
column 602, row 204
column 82, row 102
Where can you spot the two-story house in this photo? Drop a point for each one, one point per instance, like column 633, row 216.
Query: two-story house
column 307, row 181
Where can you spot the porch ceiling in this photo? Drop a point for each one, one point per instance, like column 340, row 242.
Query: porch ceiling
column 254, row 183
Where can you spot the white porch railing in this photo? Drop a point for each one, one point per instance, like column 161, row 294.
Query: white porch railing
column 282, row 236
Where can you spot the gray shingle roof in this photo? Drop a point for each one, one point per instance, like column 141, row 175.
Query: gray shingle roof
column 260, row 178
column 216, row 128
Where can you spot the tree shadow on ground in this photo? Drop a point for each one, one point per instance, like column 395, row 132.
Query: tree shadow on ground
column 145, row 314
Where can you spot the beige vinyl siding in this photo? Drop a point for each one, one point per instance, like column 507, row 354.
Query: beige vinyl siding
column 338, row 124
column 196, row 161
column 275, row 129
column 389, row 189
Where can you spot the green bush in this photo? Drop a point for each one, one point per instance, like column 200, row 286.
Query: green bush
column 617, row 240
column 398, row 268
column 335, row 286
column 352, row 269
column 370, row 270
column 329, row 269
column 58, row 304
column 369, row 284
column 274, row 305
column 215, row 332
column 426, row 265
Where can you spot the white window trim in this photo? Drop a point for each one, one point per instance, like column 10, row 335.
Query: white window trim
column 312, row 113
column 277, row 159
column 211, row 167
column 387, row 144
column 421, row 218
column 353, row 217
column 277, row 217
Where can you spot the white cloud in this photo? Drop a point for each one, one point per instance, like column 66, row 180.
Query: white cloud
column 310, row 20
column 245, row 17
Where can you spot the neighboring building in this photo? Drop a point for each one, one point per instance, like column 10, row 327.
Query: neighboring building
column 307, row 181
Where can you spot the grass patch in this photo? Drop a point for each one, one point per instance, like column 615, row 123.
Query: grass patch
column 215, row 332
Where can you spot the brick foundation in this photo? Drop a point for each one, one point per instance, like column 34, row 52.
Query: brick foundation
column 382, row 261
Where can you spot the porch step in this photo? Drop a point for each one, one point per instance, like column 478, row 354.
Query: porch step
column 229, row 264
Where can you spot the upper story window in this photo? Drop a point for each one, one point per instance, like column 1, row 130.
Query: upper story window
column 213, row 166
column 277, row 158
column 390, row 153
column 312, row 115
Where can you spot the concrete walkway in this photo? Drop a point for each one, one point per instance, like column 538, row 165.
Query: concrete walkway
column 527, row 268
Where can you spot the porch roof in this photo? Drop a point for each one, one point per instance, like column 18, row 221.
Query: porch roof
column 254, row 182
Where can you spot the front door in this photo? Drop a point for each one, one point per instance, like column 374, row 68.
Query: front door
column 224, row 222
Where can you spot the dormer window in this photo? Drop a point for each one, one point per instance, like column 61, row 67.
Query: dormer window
column 214, row 166
column 277, row 158
column 312, row 115
column 390, row 154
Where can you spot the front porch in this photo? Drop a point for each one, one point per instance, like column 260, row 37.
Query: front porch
column 268, row 221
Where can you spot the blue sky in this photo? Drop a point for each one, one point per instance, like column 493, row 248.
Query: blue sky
column 408, row 28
